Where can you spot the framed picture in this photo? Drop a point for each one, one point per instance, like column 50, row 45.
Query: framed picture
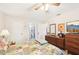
column 52, row 29
column 72, row 27
column 61, row 27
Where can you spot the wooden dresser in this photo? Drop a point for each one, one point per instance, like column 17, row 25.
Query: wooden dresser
column 69, row 43
column 59, row 42
column 72, row 43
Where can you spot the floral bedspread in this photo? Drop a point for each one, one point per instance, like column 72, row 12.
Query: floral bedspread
column 34, row 48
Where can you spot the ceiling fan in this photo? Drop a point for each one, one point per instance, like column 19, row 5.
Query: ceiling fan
column 44, row 6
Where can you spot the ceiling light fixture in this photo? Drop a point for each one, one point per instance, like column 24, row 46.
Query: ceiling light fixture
column 45, row 6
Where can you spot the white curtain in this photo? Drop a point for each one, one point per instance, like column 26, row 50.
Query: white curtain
column 40, row 32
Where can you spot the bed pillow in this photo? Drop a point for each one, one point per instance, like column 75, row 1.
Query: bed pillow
column 42, row 41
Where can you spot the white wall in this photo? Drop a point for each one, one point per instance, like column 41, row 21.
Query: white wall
column 63, row 20
column 17, row 28
column 41, row 33
column 2, row 17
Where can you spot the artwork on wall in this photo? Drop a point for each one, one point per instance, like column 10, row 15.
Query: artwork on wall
column 61, row 27
column 52, row 29
column 73, row 27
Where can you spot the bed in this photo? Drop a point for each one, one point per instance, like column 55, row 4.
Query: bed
column 33, row 48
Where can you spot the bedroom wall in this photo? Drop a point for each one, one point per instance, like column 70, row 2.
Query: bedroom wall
column 19, row 29
column 1, row 21
column 65, row 17
column 41, row 32
column 18, row 26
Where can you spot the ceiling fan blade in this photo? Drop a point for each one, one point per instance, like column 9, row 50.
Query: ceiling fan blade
column 56, row 4
column 36, row 6
column 32, row 6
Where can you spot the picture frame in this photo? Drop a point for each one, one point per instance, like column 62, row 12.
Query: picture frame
column 61, row 27
column 52, row 29
column 72, row 26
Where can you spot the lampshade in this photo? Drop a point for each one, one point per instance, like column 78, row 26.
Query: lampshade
column 4, row 33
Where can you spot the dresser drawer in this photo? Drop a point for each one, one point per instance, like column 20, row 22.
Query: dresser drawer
column 72, row 36
column 72, row 48
column 73, row 41
column 60, row 43
column 50, row 40
column 73, row 45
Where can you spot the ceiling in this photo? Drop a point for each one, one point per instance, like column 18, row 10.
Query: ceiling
column 24, row 10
